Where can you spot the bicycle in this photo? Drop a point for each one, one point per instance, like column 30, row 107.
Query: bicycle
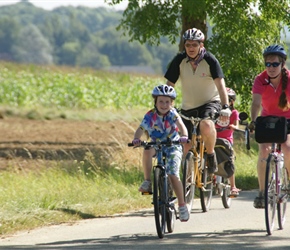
column 276, row 185
column 222, row 183
column 195, row 172
column 163, row 200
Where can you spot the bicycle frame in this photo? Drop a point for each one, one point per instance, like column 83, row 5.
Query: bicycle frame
column 197, row 148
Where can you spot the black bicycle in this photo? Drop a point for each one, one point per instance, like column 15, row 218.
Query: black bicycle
column 163, row 200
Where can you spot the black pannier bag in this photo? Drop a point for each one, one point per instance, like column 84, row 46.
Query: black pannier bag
column 270, row 129
column 225, row 158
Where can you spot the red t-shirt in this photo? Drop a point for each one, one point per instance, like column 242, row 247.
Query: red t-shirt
column 270, row 95
column 228, row 133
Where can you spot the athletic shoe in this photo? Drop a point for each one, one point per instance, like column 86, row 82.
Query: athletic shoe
column 212, row 163
column 183, row 213
column 259, row 201
column 146, row 187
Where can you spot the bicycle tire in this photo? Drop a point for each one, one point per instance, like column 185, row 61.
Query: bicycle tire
column 170, row 211
column 282, row 205
column 159, row 202
column 226, row 200
column 207, row 189
column 188, row 180
column 270, row 195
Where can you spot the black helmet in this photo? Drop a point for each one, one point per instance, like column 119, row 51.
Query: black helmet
column 275, row 50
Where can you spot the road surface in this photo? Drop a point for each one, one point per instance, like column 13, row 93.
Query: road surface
column 242, row 226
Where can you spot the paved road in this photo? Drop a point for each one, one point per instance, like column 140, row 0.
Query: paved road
column 239, row 227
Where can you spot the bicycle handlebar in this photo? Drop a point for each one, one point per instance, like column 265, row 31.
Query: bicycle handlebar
column 156, row 143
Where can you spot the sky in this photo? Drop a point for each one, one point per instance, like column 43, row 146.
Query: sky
column 51, row 4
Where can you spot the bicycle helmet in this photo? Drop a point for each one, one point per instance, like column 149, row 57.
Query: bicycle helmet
column 164, row 90
column 194, row 35
column 231, row 94
column 275, row 50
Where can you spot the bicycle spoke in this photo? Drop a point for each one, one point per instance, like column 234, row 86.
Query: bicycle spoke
column 188, row 180
column 270, row 195
column 159, row 203
column 283, row 198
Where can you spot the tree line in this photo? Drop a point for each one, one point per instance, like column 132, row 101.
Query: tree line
column 74, row 36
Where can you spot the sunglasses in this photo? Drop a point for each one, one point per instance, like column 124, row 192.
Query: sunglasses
column 194, row 45
column 274, row 64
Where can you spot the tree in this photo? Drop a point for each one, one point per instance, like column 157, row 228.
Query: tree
column 241, row 30
column 32, row 47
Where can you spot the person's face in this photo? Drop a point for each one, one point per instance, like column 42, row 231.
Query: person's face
column 163, row 104
column 270, row 62
column 192, row 48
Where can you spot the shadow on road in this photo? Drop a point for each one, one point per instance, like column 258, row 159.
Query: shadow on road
column 231, row 239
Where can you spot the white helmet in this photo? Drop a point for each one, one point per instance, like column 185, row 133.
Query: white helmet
column 194, row 35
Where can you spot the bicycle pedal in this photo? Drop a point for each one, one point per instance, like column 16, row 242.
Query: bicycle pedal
column 147, row 193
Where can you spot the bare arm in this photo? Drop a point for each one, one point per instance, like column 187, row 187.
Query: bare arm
column 181, row 127
column 221, row 86
column 256, row 106
column 139, row 132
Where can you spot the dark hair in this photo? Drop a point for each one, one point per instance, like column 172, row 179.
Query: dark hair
column 283, row 101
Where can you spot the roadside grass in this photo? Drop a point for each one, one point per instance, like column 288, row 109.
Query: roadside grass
column 100, row 185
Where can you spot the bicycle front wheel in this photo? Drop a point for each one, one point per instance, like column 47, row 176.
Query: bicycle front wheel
column 270, row 194
column 188, row 180
column 282, row 205
column 159, row 202
column 206, row 190
column 226, row 199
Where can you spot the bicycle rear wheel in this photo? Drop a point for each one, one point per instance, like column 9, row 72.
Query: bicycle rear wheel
column 207, row 189
column 282, row 205
column 270, row 195
column 159, row 202
column 226, row 199
column 188, row 180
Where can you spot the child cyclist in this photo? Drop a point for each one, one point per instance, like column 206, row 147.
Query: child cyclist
column 227, row 133
column 161, row 123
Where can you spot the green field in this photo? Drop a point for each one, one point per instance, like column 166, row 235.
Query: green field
column 90, row 188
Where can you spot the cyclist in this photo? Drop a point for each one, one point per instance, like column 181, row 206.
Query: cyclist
column 271, row 94
column 163, row 122
column 227, row 134
column 203, row 89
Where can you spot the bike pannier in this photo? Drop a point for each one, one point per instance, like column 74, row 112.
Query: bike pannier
column 225, row 158
column 270, row 129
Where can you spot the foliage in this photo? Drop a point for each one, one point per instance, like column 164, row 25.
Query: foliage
column 32, row 86
column 241, row 30
column 76, row 36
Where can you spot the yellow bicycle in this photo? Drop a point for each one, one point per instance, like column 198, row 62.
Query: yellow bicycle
column 195, row 172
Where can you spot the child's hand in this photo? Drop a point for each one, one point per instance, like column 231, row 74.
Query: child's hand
column 183, row 139
column 136, row 142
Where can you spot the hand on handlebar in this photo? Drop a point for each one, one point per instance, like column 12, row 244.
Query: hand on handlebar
column 226, row 112
column 136, row 142
column 252, row 126
column 183, row 139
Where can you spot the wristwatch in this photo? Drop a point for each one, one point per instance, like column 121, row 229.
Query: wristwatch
column 225, row 106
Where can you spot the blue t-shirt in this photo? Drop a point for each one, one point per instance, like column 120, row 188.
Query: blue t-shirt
column 159, row 126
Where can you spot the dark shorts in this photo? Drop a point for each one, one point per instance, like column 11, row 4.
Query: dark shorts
column 205, row 111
